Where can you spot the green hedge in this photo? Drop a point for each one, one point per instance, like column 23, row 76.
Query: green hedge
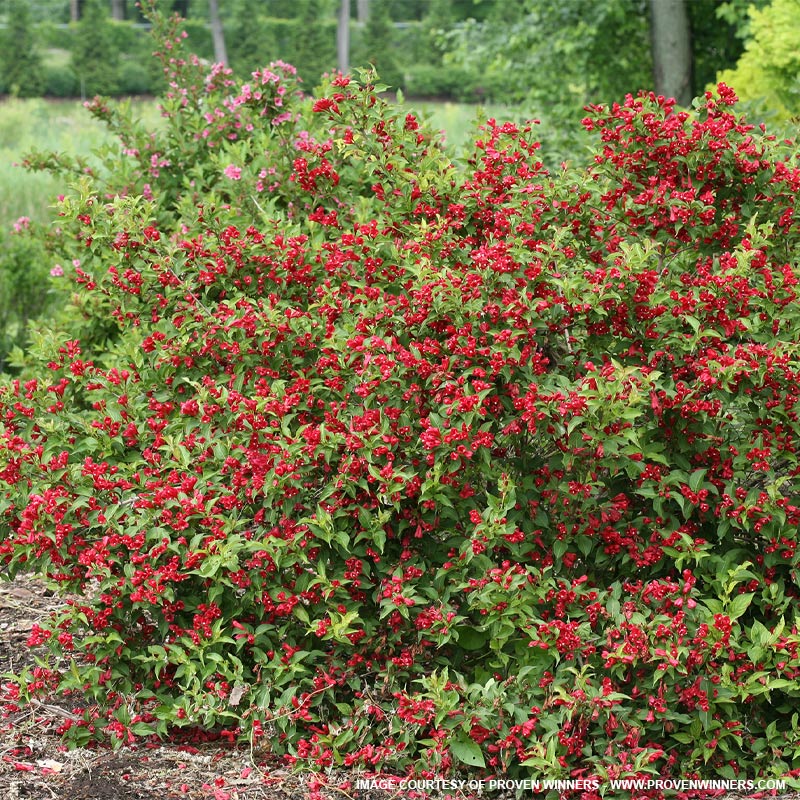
column 255, row 42
column 61, row 82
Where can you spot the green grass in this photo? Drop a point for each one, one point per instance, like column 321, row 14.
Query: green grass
column 25, row 125
column 57, row 58
column 458, row 120
column 29, row 124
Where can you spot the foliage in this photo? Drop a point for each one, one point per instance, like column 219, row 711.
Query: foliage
column 21, row 70
column 438, row 18
column 428, row 80
column 199, row 38
column 515, row 52
column 133, row 78
column 314, row 41
column 496, row 51
column 125, row 49
column 718, row 32
column 23, row 285
column 94, row 60
column 61, row 82
column 736, row 14
column 251, row 41
column 377, row 49
column 386, row 461
column 283, row 9
column 572, row 39
column 769, row 69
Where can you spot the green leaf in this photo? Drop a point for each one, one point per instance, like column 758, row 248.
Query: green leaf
column 759, row 634
column 471, row 639
column 739, row 605
column 142, row 729
column 696, row 479
column 559, row 548
column 467, row 752
column 585, row 545
column 756, row 653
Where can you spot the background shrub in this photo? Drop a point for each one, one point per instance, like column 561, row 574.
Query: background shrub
column 24, row 282
column 252, row 39
column 429, row 81
column 21, row 72
column 377, row 46
column 94, row 59
column 769, row 68
column 134, row 78
column 313, row 41
column 199, row 38
column 61, row 82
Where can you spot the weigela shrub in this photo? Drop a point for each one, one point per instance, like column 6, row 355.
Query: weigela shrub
column 387, row 459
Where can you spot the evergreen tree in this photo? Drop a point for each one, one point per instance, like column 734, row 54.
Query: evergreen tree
column 439, row 17
column 94, row 59
column 378, row 43
column 252, row 43
column 21, row 65
column 314, row 50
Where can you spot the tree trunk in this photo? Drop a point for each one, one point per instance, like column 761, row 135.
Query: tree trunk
column 362, row 11
column 343, row 37
column 220, row 54
column 672, row 49
column 74, row 11
column 118, row 10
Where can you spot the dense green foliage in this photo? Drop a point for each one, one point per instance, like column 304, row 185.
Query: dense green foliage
column 94, row 60
column 21, row 69
column 539, row 52
column 23, row 285
column 249, row 40
column 521, row 48
column 26, row 209
column 376, row 46
column 390, row 460
column 313, row 42
column 769, row 70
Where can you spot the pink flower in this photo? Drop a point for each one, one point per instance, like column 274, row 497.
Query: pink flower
column 57, row 271
column 235, row 173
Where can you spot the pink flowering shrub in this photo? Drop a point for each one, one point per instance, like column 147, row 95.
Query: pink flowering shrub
column 391, row 461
